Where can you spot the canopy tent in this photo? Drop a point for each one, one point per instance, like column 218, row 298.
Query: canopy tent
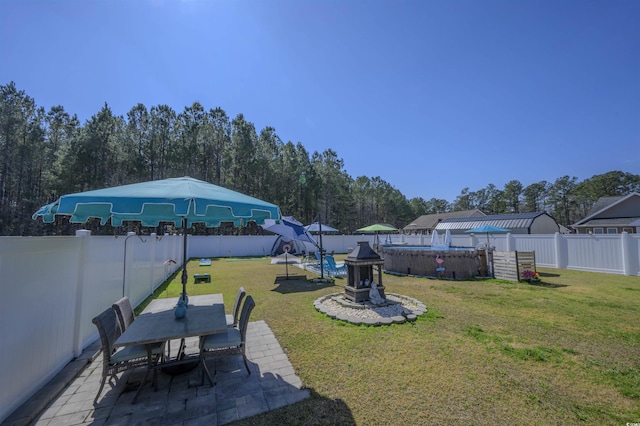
column 289, row 227
column 291, row 233
column 284, row 245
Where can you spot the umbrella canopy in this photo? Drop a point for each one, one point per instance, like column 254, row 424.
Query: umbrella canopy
column 487, row 228
column 315, row 227
column 377, row 227
column 168, row 200
column 183, row 201
column 289, row 227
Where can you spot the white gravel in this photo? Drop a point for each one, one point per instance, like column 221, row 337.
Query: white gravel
column 405, row 305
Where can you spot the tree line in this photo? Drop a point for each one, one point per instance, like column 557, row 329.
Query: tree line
column 46, row 154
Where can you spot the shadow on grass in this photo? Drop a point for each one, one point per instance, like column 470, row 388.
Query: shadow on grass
column 547, row 274
column 547, row 285
column 297, row 284
column 315, row 410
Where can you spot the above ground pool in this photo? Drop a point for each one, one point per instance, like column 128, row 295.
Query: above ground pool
column 453, row 262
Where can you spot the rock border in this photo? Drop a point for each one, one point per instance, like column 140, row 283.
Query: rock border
column 374, row 322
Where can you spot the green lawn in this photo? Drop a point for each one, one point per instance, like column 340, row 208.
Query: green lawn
column 565, row 351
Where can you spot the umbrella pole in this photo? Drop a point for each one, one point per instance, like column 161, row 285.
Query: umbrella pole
column 321, row 255
column 185, row 276
column 286, row 262
column 489, row 262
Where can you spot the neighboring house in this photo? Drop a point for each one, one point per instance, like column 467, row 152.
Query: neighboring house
column 425, row 224
column 518, row 223
column 611, row 215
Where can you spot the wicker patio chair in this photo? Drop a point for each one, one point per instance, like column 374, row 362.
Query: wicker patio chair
column 232, row 319
column 233, row 342
column 124, row 311
column 118, row 360
column 125, row 314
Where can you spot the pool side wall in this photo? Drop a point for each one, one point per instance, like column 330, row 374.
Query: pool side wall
column 459, row 264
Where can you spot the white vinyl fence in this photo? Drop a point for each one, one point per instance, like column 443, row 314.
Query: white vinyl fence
column 615, row 254
column 53, row 286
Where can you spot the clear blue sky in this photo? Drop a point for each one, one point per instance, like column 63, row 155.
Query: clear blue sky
column 432, row 96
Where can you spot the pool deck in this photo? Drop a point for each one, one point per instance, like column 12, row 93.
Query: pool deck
column 68, row 398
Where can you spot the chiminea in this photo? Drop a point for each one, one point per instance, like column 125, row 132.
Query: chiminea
column 360, row 264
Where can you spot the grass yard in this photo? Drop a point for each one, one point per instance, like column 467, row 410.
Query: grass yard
column 565, row 351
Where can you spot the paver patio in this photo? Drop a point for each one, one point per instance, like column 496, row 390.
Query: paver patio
column 180, row 400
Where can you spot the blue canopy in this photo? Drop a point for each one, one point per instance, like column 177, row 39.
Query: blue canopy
column 168, row 200
column 487, row 229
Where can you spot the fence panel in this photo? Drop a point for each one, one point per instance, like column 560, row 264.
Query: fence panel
column 633, row 258
column 505, row 265
column 542, row 245
column 37, row 311
column 594, row 253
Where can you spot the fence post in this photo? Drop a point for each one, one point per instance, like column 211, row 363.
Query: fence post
column 627, row 263
column 78, row 323
column 510, row 242
column 152, row 260
column 561, row 251
column 127, row 259
column 473, row 241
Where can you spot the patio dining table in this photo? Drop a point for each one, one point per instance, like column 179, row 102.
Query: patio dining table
column 157, row 323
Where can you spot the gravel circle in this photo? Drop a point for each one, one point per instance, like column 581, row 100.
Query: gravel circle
column 398, row 310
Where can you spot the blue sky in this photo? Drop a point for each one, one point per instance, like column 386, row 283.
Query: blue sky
column 432, row 96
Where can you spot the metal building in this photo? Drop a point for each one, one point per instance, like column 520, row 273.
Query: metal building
column 518, row 223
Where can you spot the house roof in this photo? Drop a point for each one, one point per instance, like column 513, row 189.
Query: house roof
column 603, row 202
column 508, row 221
column 602, row 205
column 429, row 221
column 615, row 221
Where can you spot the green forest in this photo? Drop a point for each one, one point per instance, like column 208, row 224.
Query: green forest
column 46, row 154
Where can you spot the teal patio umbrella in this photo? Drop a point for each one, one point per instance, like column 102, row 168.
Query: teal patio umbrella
column 487, row 229
column 181, row 201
